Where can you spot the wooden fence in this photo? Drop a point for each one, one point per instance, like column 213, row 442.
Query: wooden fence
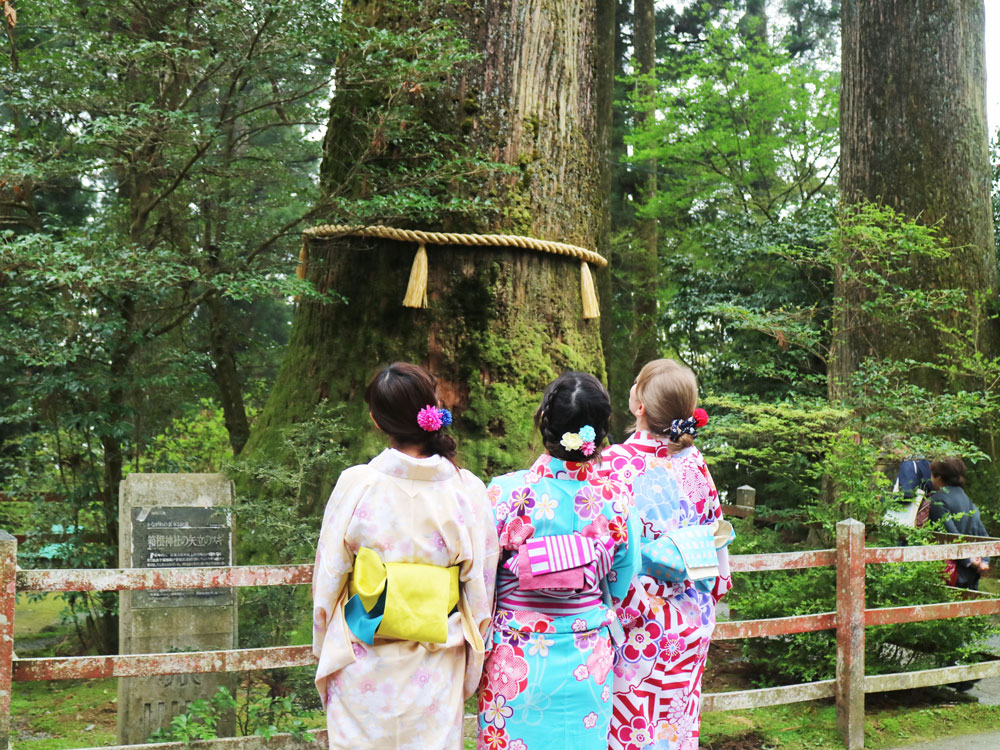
column 849, row 620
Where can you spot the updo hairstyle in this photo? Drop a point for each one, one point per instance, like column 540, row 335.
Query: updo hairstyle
column 669, row 391
column 951, row 471
column 571, row 401
column 395, row 395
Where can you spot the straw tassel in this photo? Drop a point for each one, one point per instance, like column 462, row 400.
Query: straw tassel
column 300, row 270
column 416, row 289
column 303, row 266
column 591, row 309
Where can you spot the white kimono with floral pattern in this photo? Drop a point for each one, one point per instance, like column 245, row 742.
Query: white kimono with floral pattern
column 402, row 694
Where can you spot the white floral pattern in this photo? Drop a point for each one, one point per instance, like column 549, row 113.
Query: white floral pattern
column 407, row 510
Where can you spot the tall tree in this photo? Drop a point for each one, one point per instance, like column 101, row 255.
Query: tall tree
column 174, row 117
column 535, row 99
column 914, row 136
column 646, row 328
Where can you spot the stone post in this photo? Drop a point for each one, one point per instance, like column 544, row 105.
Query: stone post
column 174, row 521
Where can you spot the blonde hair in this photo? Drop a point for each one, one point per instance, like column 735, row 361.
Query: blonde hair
column 669, row 391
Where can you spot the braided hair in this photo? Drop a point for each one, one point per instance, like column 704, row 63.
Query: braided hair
column 570, row 402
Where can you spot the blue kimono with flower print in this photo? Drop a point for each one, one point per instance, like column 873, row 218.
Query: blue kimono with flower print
column 547, row 679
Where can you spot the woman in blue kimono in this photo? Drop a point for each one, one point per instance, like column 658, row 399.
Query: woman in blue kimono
column 564, row 541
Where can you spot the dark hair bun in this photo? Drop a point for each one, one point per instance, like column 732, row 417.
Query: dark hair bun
column 395, row 395
column 572, row 401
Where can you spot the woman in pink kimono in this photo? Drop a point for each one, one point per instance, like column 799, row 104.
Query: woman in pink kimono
column 668, row 626
column 404, row 579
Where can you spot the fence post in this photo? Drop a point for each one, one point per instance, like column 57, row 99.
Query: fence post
column 8, row 590
column 851, row 632
column 746, row 497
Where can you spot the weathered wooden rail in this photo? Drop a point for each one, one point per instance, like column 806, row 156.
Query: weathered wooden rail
column 849, row 620
column 14, row 669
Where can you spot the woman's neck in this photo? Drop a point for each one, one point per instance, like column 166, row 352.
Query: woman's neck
column 414, row 451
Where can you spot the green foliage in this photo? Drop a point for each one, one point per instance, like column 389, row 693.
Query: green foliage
column 277, row 506
column 817, row 463
column 805, row 657
column 742, row 128
column 199, row 721
column 196, row 441
column 167, row 157
column 259, row 715
column 277, row 524
column 391, row 155
column 268, row 716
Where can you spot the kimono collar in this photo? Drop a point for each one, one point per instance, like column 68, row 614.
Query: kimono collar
column 647, row 442
column 550, row 466
column 398, row 464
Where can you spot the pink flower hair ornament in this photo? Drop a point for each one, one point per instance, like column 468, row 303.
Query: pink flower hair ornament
column 432, row 419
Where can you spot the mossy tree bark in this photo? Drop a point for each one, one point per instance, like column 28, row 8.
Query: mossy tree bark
column 501, row 323
column 914, row 137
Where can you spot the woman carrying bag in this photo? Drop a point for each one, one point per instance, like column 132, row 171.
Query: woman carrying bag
column 669, row 612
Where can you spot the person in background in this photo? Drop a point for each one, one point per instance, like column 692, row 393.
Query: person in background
column 403, row 583
column 950, row 504
column 565, row 540
column 668, row 625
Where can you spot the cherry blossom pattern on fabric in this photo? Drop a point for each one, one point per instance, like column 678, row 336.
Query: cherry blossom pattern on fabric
column 493, row 738
column 600, row 661
column 497, row 711
column 636, row 734
column 508, row 671
column 515, row 533
column 627, row 468
column 588, row 502
column 522, row 500
column 642, row 642
column 546, row 508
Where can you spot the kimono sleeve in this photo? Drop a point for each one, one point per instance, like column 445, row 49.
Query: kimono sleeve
column 334, row 561
column 478, row 578
column 628, row 555
column 724, row 581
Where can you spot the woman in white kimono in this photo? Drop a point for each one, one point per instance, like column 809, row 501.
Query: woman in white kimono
column 404, row 580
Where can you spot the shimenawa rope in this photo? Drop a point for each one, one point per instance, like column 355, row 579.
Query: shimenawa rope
column 416, row 290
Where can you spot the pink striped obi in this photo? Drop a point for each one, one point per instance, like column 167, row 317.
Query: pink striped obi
column 562, row 530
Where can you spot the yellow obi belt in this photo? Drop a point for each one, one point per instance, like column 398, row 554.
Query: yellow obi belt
column 405, row 601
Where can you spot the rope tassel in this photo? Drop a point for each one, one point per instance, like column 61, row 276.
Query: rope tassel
column 416, row 289
column 591, row 309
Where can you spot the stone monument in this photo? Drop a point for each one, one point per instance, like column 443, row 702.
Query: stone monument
column 173, row 521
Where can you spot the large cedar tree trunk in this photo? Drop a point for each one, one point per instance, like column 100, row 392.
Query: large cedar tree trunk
column 501, row 323
column 914, row 137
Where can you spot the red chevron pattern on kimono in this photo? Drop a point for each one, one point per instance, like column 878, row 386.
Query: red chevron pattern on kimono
column 668, row 626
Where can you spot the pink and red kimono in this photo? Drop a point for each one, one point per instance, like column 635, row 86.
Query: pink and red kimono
column 668, row 626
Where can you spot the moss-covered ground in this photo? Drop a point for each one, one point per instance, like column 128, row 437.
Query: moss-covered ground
column 891, row 720
column 63, row 714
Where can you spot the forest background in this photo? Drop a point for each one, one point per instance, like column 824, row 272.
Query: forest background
column 157, row 168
